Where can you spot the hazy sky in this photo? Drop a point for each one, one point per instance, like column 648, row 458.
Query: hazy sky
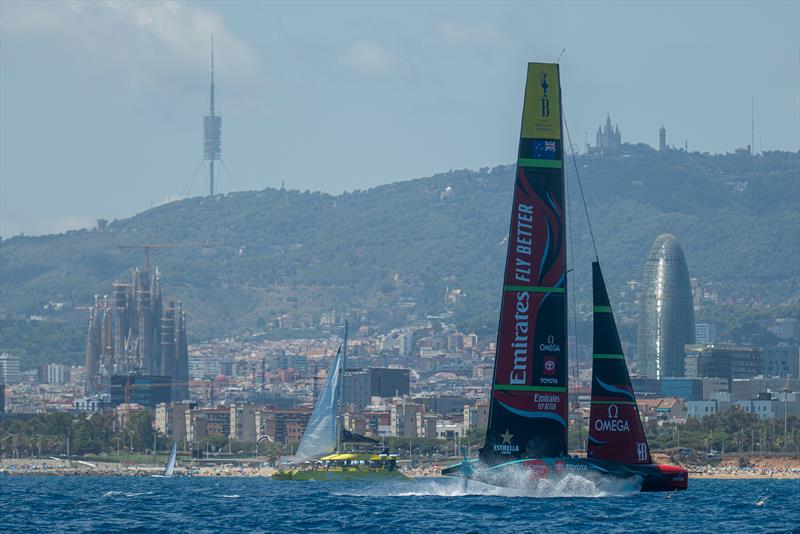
column 101, row 103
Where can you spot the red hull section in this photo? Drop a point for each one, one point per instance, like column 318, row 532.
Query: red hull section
column 677, row 478
column 651, row 477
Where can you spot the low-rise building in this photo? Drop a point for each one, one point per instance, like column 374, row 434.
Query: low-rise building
column 404, row 419
column 123, row 413
column 682, row 388
column 426, row 425
column 378, row 422
column 282, row 425
column 360, row 385
column 781, row 361
column 768, row 406
column 712, row 387
column 146, row 390
column 449, row 430
column 93, row 403
column 206, row 422
column 243, row 423
column 54, row 373
column 173, row 420
column 722, row 361
column 752, row 388
column 476, row 415
column 701, row 408
column 663, row 409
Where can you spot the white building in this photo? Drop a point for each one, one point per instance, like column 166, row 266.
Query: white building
column 449, row 430
column 94, row 403
column 9, row 369
column 764, row 408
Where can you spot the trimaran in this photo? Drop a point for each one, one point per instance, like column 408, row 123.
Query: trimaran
column 526, row 436
column 320, row 455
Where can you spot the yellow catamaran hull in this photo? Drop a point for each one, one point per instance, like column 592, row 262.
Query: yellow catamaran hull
column 344, row 467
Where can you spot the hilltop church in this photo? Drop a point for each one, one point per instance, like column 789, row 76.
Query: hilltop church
column 608, row 139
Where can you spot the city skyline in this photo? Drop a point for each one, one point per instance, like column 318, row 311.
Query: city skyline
column 441, row 89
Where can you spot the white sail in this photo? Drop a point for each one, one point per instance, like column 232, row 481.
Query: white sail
column 170, row 467
column 320, row 435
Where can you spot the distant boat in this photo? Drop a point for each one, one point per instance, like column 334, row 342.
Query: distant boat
column 318, row 457
column 526, row 438
column 169, row 467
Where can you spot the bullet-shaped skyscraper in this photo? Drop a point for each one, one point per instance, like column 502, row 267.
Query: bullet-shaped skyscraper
column 666, row 312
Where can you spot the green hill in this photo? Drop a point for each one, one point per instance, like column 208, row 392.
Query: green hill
column 301, row 254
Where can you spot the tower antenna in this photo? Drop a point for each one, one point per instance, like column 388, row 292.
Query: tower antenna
column 212, row 131
column 752, row 125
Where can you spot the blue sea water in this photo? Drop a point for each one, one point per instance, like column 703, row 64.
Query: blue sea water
column 222, row 505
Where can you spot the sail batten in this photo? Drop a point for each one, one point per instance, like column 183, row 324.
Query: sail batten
column 528, row 410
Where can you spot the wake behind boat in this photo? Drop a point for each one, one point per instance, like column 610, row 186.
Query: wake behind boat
column 526, row 436
column 319, row 455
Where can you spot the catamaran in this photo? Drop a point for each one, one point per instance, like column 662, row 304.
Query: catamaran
column 526, row 436
column 169, row 467
column 319, row 455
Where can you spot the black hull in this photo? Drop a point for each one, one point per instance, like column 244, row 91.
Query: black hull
column 652, row 477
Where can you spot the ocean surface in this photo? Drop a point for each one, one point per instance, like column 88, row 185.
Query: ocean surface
column 222, row 505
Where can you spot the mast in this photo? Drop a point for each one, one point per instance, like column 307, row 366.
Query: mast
column 528, row 409
column 340, row 386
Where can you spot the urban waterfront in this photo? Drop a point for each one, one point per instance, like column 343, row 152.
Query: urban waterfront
column 123, row 504
column 356, row 339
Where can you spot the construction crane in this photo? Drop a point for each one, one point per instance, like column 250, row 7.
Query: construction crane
column 785, row 391
column 148, row 246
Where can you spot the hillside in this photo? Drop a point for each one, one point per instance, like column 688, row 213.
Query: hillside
column 301, row 254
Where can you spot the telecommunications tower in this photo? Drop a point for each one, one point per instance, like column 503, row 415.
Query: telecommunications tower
column 212, row 132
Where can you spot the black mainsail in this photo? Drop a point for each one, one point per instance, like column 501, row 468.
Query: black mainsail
column 528, row 411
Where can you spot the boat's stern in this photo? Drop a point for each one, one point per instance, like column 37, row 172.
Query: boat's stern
column 283, row 474
column 668, row 478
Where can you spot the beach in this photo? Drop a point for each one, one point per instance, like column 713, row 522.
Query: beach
column 761, row 468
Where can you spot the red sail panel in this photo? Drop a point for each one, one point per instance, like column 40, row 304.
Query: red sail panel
column 615, row 428
column 528, row 412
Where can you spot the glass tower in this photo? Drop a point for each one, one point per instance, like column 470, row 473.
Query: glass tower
column 666, row 312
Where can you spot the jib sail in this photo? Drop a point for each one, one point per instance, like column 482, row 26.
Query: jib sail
column 615, row 429
column 528, row 411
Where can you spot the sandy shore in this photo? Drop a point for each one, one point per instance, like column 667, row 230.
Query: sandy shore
column 762, row 469
column 57, row 467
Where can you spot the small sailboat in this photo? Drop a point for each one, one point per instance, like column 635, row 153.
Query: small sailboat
column 169, row 467
column 319, row 455
column 526, row 436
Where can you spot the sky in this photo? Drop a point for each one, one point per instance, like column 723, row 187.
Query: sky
column 101, row 102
